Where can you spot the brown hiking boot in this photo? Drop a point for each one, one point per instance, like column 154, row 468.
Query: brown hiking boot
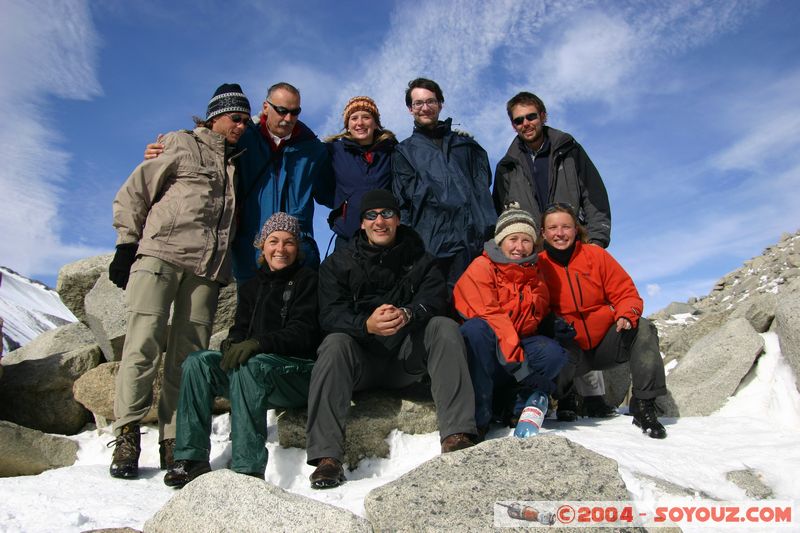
column 456, row 441
column 329, row 474
column 127, row 447
column 183, row 471
column 166, row 451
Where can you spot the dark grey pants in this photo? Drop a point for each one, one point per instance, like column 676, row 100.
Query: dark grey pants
column 639, row 346
column 344, row 366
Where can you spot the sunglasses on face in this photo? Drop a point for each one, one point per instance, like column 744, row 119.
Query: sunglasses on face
column 283, row 111
column 236, row 119
column 530, row 117
column 385, row 214
column 555, row 206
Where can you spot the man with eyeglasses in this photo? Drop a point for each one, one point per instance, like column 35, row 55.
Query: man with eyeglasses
column 175, row 219
column 442, row 179
column 381, row 301
column 544, row 166
column 283, row 168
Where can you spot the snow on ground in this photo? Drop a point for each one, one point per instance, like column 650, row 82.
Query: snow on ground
column 758, row 428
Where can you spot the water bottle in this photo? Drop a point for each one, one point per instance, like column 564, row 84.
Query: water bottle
column 530, row 421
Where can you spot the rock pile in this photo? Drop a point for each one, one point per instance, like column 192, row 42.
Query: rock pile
column 710, row 346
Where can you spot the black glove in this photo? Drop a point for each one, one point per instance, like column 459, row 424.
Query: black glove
column 563, row 331
column 120, row 268
column 239, row 353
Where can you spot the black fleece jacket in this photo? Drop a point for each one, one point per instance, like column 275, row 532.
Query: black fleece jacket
column 258, row 314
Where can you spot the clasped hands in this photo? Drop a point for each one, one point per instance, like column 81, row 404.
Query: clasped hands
column 386, row 320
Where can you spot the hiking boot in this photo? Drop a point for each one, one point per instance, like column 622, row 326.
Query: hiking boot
column 596, row 407
column 166, row 450
column 644, row 416
column 185, row 470
column 329, row 474
column 455, row 442
column 127, row 447
column 567, row 409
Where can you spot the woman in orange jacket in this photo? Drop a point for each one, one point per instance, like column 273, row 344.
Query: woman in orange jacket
column 590, row 290
column 503, row 299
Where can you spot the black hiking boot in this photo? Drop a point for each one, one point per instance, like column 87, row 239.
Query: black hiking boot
column 596, row 407
column 567, row 408
column 185, row 470
column 329, row 474
column 127, row 447
column 644, row 416
column 166, row 450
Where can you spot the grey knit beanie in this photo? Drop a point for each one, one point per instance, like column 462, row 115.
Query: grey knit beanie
column 514, row 220
column 278, row 222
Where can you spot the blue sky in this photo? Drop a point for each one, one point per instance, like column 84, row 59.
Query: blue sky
column 690, row 110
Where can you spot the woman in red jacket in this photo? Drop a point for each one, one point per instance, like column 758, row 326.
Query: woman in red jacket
column 590, row 290
column 503, row 299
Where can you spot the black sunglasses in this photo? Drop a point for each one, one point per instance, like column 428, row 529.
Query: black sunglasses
column 372, row 215
column 236, row 119
column 530, row 117
column 283, row 111
column 555, row 206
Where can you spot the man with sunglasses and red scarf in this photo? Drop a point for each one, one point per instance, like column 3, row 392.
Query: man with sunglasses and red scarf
column 543, row 166
column 284, row 167
column 382, row 299
column 175, row 221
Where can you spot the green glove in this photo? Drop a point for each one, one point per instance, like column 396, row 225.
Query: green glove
column 239, row 353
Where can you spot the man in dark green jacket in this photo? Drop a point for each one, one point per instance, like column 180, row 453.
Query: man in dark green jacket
column 544, row 165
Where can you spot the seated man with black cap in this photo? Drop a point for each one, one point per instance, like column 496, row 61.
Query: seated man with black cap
column 382, row 301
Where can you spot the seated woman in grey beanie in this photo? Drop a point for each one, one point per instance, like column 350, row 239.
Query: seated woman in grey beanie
column 264, row 363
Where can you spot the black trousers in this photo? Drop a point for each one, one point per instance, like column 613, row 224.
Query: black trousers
column 638, row 345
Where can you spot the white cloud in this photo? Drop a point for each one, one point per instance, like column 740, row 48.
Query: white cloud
column 40, row 56
column 653, row 289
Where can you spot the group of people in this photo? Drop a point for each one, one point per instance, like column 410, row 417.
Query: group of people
column 426, row 280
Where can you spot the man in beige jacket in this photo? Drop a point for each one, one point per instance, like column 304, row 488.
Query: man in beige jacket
column 175, row 220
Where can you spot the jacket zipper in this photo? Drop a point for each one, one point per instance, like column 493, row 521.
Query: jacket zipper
column 574, row 301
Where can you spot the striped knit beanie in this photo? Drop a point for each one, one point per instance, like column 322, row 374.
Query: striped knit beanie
column 514, row 220
column 228, row 98
column 361, row 103
column 278, row 222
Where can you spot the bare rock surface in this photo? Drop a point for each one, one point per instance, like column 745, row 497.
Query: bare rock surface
column 28, row 452
column 225, row 501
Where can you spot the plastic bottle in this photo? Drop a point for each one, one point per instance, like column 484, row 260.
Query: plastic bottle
column 532, row 416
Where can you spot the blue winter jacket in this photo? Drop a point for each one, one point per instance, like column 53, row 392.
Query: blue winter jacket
column 354, row 176
column 270, row 182
column 444, row 192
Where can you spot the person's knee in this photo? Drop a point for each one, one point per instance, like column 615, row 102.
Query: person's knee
column 443, row 327
column 201, row 360
column 475, row 328
column 336, row 350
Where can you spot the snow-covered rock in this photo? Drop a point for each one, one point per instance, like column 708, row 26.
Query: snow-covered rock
column 28, row 308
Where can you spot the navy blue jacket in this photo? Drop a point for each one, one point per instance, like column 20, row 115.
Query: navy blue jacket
column 444, row 191
column 354, row 176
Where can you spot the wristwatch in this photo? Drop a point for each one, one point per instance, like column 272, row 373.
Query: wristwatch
column 408, row 314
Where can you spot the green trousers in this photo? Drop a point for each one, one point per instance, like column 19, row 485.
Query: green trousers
column 266, row 381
